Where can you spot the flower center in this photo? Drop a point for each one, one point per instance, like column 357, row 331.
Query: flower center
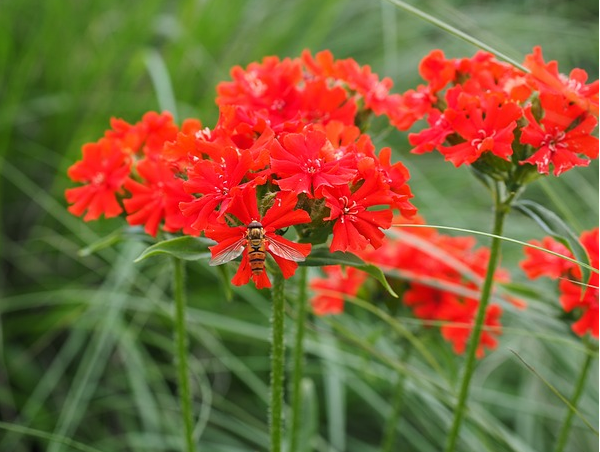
column 441, row 122
column 312, row 166
column 571, row 83
column 350, row 209
column 478, row 142
column 380, row 92
column 223, row 188
column 278, row 104
column 203, row 135
column 257, row 87
column 98, row 179
column 553, row 142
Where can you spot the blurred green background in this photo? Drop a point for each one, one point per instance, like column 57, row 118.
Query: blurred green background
column 85, row 351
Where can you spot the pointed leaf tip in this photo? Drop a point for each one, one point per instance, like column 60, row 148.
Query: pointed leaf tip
column 320, row 257
column 187, row 248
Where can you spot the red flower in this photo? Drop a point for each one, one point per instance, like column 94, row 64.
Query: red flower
column 156, row 199
column 393, row 176
column 159, row 129
column 330, row 291
column 429, row 139
column 547, row 78
column 103, row 169
column 129, row 137
column 321, row 103
column 571, row 299
column 415, row 105
column 184, row 149
column 459, row 334
column 437, row 70
column 150, row 134
column 270, row 86
column 304, row 163
column 539, row 263
column 356, row 227
column 233, row 241
column 488, row 127
column 215, row 182
column 555, row 139
column 375, row 93
column 484, row 73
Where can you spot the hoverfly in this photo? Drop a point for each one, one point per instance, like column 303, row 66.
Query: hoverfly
column 257, row 244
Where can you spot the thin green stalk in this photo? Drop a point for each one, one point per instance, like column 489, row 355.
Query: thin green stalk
column 566, row 426
column 455, row 31
column 181, row 343
column 389, row 436
column 500, row 211
column 298, row 359
column 277, row 362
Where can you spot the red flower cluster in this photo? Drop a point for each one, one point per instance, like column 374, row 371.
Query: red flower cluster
column 475, row 106
column 129, row 157
column 441, row 277
column 573, row 296
column 286, row 150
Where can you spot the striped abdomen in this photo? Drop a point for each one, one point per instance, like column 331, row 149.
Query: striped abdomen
column 256, row 247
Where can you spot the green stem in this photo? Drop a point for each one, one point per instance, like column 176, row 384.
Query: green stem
column 500, row 211
column 389, row 437
column 181, row 343
column 277, row 362
column 298, row 359
column 566, row 426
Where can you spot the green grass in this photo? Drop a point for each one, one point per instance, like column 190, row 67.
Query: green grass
column 86, row 341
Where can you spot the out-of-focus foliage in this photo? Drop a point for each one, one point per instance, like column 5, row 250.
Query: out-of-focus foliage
column 86, row 348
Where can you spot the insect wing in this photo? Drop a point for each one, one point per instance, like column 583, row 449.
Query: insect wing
column 229, row 253
column 284, row 250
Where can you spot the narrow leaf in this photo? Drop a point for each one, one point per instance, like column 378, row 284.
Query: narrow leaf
column 111, row 239
column 455, row 31
column 187, row 248
column 51, row 437
column 320, row 257
column 556, row 392
column 310, row 414
column 225, row 277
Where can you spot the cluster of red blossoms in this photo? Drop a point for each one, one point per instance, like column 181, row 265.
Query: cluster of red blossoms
column 480, row 108
column 438, row 277
column 575, row 294
column 287, row 150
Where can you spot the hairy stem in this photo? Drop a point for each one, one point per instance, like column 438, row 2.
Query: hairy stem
column 298, row 359
column 181, row 343
column 500, row 211
column 277, row 362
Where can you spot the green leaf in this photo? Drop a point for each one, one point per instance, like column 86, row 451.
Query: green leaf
column 320, row 257
column 187, row 248
column 111, row 239
column 558, row 229
column 224, row 276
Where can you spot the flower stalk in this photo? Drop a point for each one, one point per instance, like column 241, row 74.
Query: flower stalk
column 277, row 362
column 567, row 422
column 298, row 370
column 181, row 344
column 501, row 208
